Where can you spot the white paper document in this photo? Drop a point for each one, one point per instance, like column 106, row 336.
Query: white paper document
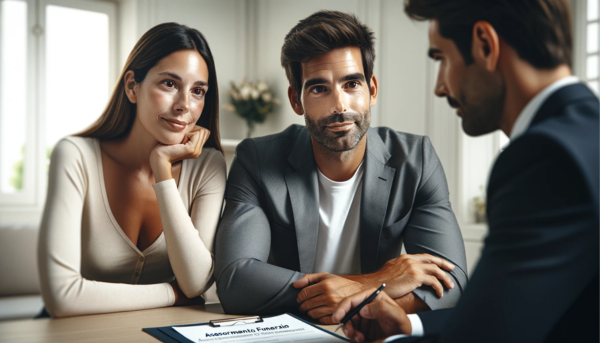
column 283, row 328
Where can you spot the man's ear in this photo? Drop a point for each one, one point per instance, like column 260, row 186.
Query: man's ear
column 131, row 86
column 373, row 89
column 486, row 45
column 296, row 105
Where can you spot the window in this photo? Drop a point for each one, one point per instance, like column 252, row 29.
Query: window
column 587, row 35
column 57, row 62
column 13, row 96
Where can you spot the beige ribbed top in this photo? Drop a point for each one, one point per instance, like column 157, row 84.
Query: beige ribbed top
column 86, row 262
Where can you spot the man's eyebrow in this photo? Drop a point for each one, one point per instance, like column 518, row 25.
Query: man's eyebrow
column 433, row 51
column 314, row 81
column 178, row 78
column 355, row 76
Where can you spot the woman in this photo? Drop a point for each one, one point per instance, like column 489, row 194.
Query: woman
column 133, row 201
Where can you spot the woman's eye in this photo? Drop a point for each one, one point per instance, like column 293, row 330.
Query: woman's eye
column 169, row 83
column 199, row 91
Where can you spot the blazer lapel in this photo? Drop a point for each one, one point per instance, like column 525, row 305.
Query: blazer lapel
column 377, row 184
column 303, row 190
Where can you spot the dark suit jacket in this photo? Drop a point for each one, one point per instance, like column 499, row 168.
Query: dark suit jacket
column 267, row 237
column 537, row 280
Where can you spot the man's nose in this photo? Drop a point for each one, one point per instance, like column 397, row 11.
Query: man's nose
column 341, row 103
column 440, row 88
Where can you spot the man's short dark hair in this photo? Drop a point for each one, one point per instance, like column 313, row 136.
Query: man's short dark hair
column 539, row 30
column 320, row 33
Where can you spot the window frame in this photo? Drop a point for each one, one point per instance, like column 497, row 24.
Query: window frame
column 27, row 204
column 580, row 53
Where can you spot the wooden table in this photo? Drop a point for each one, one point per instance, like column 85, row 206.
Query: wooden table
column 112, row 327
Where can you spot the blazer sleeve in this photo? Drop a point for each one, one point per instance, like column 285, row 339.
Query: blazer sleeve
column 246, row 283
column 541, row 254
column 65, row 291
column 190, row 235
column 433, row 229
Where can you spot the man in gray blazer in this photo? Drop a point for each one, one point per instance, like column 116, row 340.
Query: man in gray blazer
column 316, row 213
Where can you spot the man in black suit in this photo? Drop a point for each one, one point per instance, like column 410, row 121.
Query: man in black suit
column 506, row 65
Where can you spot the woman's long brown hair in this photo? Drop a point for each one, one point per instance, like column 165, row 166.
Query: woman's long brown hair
column 157, row 43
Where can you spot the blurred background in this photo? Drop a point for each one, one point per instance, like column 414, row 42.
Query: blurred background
column 60, row 60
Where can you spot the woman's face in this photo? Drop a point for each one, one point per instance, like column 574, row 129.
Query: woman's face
column 171, row 97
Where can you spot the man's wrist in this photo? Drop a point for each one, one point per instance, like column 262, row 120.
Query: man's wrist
column 411, row 303
column 369, row 280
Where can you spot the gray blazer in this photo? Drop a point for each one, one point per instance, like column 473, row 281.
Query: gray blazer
column 267, row 236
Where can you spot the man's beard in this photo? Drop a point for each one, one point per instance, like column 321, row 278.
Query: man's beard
column 482, row 110
column 343, row 140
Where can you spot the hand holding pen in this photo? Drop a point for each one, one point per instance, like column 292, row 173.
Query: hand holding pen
column 371, row 315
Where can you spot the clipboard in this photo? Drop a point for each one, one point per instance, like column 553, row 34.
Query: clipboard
column 167, row 334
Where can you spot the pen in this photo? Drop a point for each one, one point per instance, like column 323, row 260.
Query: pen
column 357, row 309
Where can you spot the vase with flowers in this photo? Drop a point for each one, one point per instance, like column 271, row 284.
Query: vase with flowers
column 252, row 101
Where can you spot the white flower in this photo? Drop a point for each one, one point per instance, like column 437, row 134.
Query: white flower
column 245, row 92
column 267, row 97
column 255, row 94
column 262, row 86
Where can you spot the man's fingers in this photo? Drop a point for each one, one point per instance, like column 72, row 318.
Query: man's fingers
column 326, row 320
column 441, row 275
column 313, row 286
column 440, row 262
column 348, row 329
column 320, row 312
column 317, row 301
column 309, row 292
column 432, row 281
column 380, row 309
column 391, row 318
column 309, row 279
column 349, row 303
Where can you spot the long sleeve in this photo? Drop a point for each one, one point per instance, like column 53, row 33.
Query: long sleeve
column 246, row 282
column 432, row 229
column 190, row 236
column 537, row 279
column 65, row 291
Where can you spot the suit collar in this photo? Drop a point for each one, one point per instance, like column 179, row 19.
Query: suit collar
column 376, row 148
column 303, row 190
column 561, row 98
column 529, row 111
column 377, row 185
column 302, row 151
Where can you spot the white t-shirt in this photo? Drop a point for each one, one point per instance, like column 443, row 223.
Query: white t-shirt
column 338, row 250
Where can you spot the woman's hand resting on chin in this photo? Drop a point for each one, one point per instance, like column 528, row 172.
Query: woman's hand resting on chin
column 163, row 156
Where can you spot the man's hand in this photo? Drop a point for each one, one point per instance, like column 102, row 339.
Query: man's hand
column 181, row 299
column 163, row 156
column 377, row 320
column 322, row 292
column 406, row 273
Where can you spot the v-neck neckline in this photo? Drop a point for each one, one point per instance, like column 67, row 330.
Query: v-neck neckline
column 116, row 225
